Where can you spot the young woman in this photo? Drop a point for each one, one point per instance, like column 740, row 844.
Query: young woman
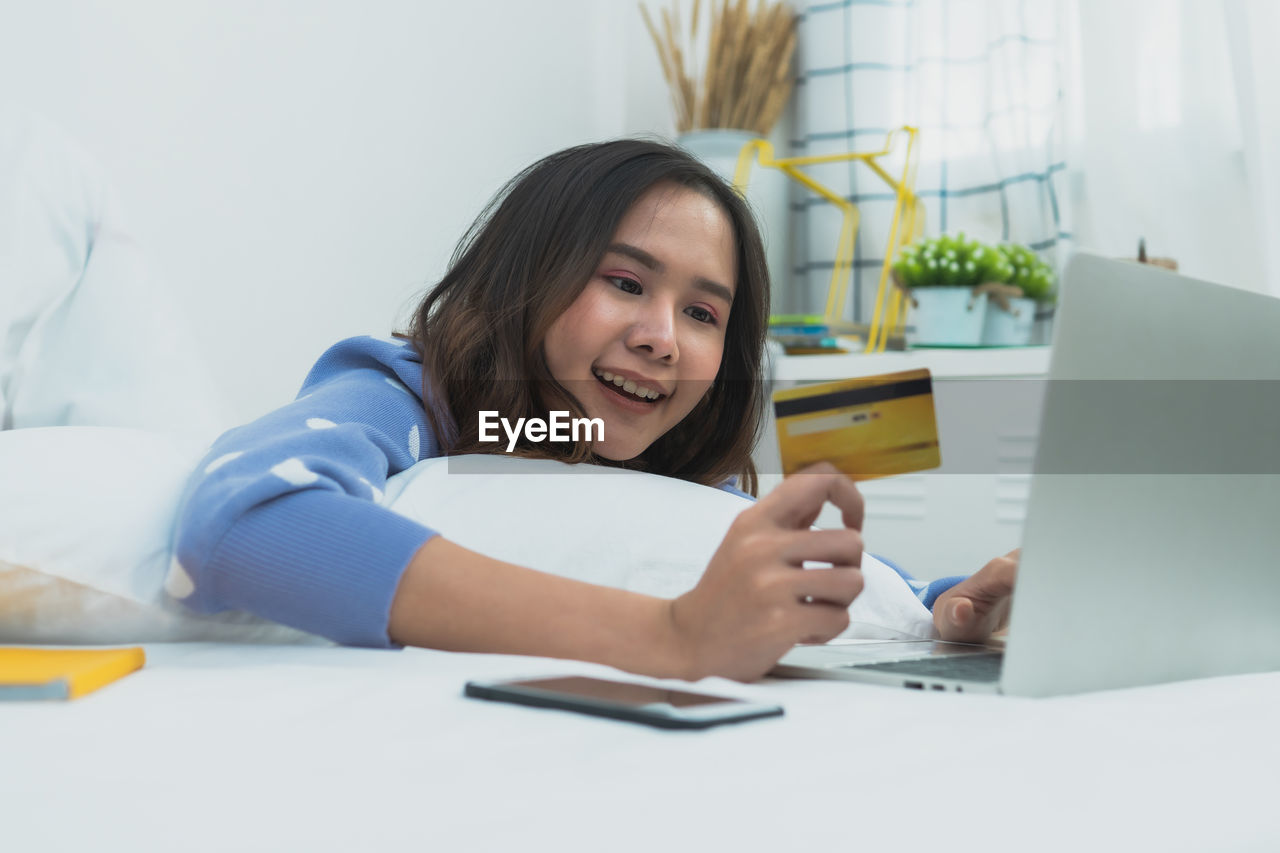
column 621, row 281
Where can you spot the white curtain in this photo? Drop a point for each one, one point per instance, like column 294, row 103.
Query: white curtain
column 1252, row 26
column 981, row 79
column 1175, row 134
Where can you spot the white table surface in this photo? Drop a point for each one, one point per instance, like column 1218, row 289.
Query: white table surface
column 224, row 747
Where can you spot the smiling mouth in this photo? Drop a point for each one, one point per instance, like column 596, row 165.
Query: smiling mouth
column 618, row 385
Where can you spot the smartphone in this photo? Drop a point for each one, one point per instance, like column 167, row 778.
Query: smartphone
column 638, row 703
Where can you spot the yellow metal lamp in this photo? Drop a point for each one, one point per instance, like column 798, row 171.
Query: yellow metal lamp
column 889, row 315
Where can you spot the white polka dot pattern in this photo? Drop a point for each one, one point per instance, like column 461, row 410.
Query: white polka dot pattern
column 344, row 425
column 374, row 491
column 222, row 460
column 377, row 494
column 178, row 583
column 295, row 472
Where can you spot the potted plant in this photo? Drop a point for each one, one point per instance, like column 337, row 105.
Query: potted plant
column 944, row 278
column 1011, row 310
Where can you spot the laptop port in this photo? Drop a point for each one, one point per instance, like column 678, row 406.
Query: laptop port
column 938, row 686
column 914, row 685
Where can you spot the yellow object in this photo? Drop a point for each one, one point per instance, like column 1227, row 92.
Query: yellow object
column 27, row 673
column 874, row 426
column 907, row 225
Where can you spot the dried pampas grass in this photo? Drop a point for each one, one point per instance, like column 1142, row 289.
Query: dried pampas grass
column 746, row 79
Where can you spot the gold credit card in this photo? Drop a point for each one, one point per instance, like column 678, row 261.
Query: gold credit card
column 873, row 426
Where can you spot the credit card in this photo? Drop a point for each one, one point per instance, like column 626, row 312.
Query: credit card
column 873, row 426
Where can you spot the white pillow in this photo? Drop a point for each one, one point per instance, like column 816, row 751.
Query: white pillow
column 48, row 195
column 86, row 519
column 93, row 505
column 87, row 514
column 88, row 336
column 619, row 528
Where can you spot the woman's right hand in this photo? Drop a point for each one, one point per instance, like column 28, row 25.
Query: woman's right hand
column 755, row 601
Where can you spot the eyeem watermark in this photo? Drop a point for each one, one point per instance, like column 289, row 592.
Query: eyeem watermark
column 560, row 427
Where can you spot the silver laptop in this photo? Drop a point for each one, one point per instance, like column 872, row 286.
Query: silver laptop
column 1151, row 549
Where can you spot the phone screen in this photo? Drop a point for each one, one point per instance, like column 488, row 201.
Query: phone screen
column 621, row 693
column 641, row 703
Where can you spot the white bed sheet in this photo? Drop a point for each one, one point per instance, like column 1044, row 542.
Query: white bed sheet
column 221, row 747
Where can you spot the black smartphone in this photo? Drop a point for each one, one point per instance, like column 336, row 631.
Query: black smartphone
column 638, row 703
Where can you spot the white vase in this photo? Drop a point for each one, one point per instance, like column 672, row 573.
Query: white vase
column 767, row 195
column 946, row 317
column 1009, row 328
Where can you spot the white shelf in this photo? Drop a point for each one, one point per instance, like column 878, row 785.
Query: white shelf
column 942, row 363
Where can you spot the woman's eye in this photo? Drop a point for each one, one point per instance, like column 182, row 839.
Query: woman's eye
column 702, row 315
column 627, row 285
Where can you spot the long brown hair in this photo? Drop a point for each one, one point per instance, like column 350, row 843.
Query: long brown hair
column 527, row 258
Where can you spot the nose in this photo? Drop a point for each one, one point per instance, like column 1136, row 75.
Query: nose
column 653, row 331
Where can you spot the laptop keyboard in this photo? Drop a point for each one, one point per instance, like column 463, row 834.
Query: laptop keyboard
column 976, row 667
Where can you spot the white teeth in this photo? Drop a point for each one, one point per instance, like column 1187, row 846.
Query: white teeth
column 629, row 385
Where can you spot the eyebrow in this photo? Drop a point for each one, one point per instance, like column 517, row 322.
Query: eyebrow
column 640, row 255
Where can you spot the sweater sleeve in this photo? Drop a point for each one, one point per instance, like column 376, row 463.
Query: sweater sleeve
column 281, row 518
column 927, row 592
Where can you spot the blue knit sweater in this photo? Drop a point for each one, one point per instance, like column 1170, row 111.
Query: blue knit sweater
column 282, row 517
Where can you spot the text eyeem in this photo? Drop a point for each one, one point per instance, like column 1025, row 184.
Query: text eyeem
column 560, row 427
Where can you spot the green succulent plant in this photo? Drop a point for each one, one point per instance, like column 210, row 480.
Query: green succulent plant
column 1030, row 273
column 954, row 260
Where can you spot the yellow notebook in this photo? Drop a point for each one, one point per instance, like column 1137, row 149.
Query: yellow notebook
column 27, row 673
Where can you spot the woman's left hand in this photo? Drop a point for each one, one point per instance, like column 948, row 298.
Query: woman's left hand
column 978, row 606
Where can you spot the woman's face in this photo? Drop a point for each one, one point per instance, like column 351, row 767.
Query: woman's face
column 652, row 317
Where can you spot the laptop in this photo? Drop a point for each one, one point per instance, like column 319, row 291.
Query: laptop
column 1151, row 547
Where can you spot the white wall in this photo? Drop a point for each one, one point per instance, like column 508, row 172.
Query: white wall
column 301, row 169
